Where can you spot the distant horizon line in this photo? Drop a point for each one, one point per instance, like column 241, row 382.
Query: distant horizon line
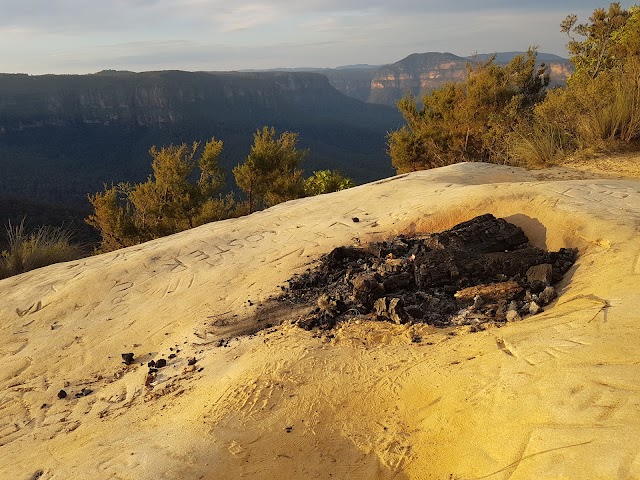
column 363, row 66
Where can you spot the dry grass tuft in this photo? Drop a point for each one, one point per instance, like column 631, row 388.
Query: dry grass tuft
column 28, row 251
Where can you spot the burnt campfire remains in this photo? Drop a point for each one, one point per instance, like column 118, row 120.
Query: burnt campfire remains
column 478, row 272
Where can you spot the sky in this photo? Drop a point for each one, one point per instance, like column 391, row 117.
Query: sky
column 86, row 36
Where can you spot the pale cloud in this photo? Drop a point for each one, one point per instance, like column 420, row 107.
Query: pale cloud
column 246, row 16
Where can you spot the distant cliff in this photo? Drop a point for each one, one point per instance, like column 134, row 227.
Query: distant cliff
column 416, row 73
column 156, row 99
column 422, row 72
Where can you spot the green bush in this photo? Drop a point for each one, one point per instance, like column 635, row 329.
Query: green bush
column 42, row 247
column 599, row 109
column 326, row 181
column 271, row 173
column 170, row 201
column 611, row 113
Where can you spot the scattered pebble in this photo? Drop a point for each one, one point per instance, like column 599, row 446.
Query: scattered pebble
column 149, row 379
column 127, row 358
column 534, row 308
column 84, row 392
column 513, row 316
column 62, row 394
column 161, row 363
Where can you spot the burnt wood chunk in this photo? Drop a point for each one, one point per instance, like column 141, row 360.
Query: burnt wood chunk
column 483, row 234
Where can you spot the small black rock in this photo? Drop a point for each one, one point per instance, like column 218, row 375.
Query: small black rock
column 192, row 361
column 62, row 394
column 173, row 355
column 151, row 364
column 161, row 363
column 127, row 358
column 355, row 219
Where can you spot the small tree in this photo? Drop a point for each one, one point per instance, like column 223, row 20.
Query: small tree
column 168, row 202
column 271, row 173
column 604, row 40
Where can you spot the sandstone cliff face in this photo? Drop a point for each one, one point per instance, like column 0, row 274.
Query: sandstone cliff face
column 560, row 72
column 151, row 99
column 420, row 73
column 353, row 82
column 417, row 73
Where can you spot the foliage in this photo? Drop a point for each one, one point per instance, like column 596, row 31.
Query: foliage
column 28, row 251
column 610, row 36
column 271, row 173
column 600, row 106
column 168, row 202
column 326, row 181
column 469, row 120
column 608, row 106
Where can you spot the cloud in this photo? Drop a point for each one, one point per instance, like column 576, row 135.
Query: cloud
column 218, row 34
column 56, row 15
column 245, row 16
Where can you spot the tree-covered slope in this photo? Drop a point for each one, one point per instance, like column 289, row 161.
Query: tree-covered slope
column 63, row 136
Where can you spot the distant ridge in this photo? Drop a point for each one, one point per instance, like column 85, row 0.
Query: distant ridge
column 418, row 73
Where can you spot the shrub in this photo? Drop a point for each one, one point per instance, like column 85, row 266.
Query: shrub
column 538, row 145
column 326, row 181
column 597, row 112
column 42, row 247
column 612, row 106
column 469, row 120
column 271, row 173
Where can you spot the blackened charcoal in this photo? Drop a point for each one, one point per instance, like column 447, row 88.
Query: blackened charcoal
column 424, row 279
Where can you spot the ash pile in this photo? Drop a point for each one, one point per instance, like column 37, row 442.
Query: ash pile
column 479, row 272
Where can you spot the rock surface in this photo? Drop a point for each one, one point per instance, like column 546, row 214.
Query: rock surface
column 550, row 397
